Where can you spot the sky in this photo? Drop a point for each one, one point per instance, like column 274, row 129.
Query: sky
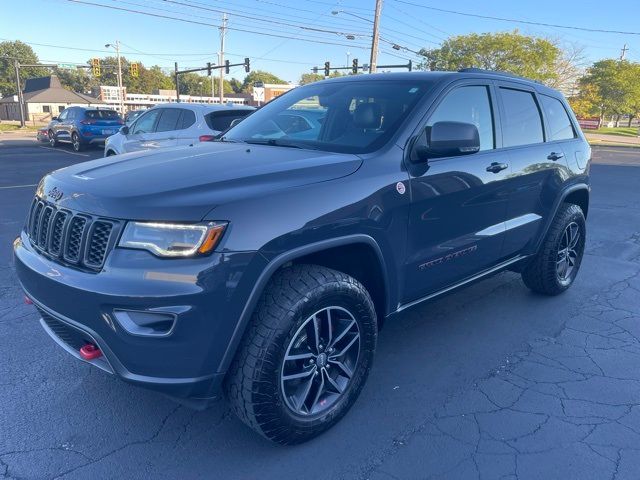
column 289, row 37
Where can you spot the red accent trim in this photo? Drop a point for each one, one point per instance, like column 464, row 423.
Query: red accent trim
column 27, row 300
column 90, row 352
column 206, row 138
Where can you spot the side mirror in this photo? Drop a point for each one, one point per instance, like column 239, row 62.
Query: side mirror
column 449, row 139
column 124, row 130
column 54, row 118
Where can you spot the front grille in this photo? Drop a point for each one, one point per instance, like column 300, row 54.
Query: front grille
column 71, row 238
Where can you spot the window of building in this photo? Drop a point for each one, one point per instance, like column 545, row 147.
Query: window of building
column 558, row 123
column 46, row 109
column 522, row 124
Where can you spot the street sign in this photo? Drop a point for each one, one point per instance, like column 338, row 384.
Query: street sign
column 258, row 94
column 67, row 66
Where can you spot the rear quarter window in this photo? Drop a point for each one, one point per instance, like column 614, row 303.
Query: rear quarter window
column 188, row 119
column 558, row 124
column 220, row 121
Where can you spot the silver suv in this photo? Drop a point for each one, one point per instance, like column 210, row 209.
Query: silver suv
column 174, row 124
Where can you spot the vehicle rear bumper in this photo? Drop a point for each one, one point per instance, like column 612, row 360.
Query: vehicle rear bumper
column 205, row 295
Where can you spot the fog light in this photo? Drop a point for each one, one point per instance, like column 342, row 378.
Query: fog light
column 146, row 323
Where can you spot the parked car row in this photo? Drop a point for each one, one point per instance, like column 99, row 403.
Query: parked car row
column 164, row 125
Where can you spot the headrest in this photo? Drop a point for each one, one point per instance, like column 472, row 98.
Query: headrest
column 367, row 115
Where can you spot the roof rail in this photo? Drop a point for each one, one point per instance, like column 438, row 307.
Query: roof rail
column 495, row 72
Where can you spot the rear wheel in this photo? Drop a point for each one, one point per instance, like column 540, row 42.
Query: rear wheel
column 306, row 355
column 75, row 142
column 556, row 265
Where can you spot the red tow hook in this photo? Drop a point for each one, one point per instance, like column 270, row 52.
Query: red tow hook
column 90, row 352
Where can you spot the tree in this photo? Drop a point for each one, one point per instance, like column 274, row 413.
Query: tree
column 587, row 102
column 310, row 78
column 616, row 86
column 79, row 80
column 236, row 85
column 9, row 52
column 531, row 57
column 259, row 76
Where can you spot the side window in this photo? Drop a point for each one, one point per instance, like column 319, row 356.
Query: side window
column 188, row 119
column 522, row 124
column 468, row 105
column 145, row 123
column 168, row 120
column 558, row 123
column 63, row 115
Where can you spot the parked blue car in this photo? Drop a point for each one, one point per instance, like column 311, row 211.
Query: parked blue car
column 82, row 126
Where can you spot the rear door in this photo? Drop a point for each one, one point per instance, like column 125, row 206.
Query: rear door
column 459, row 204
column 187, row 132
column 141, row 131
column 537, row 165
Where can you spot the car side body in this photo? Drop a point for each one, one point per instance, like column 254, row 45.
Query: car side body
column 82, row 126
column 406, row 230
column 173, row 124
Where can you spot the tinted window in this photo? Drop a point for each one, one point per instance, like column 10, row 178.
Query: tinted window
column 558, row 122
column 146, row 122
column 468, row 105
column 522, row 124
column 101, row 114
column 222, row 120
column 359, row 116
column 168, row 120
column 188, row 119
column 63, row 115
column 71, row 114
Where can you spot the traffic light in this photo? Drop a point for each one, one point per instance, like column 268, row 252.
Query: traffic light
column 209, row 68
column 133, row 70
column 354, row 66
column 226, row 66
column 327, row 69
column 247, row 67
column 95, row 67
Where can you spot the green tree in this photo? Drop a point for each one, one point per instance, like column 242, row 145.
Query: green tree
column 79, row 80
column 587, row 102
column 9, row 52
column 310, row 78
column 527, row 56
column 259, row 76
column 236, row 85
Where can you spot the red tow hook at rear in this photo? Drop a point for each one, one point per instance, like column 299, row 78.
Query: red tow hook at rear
column 90, row 352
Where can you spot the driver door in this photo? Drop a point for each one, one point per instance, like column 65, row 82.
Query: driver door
column 459, row 204
column 140, row 133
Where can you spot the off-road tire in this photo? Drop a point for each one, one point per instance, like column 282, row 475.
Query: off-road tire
column 540, row 274
column 252, row 385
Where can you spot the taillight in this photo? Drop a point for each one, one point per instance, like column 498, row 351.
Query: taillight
column 207, row 138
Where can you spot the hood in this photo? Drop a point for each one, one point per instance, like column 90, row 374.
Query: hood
column 184, row 183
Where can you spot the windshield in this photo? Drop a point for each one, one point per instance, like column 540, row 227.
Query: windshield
column 347, row 117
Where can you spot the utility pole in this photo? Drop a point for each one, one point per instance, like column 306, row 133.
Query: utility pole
column 624, row 51
column 120, row 92
column 20, row 97
column 376, row 34
column 177, row 80
column 223, row 31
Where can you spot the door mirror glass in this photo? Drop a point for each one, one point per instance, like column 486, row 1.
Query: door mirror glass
column 449, row 139
column 124, row 130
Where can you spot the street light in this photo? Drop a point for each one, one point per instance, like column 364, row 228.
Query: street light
column 116, row 46
column 375, row 35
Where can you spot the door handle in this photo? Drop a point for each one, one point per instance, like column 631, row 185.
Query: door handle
column 555, row 156
column 496, row 167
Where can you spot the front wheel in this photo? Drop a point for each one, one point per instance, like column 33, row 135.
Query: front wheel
column 306, row 355
column 52, row 139
column 556, row 265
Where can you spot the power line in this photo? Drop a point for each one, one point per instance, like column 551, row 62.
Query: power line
column 514, row 20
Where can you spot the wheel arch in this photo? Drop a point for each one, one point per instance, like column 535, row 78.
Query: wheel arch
column 322, row 253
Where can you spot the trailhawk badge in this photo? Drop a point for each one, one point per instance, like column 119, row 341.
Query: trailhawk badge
column 401, row 188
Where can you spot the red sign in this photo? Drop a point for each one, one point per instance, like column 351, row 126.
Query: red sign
column 590, row 123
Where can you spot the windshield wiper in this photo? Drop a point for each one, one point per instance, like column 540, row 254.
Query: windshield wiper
column 275, row 142
column 226, row 140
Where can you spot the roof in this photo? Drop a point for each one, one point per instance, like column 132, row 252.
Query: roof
column 49, row 90
column 204, row 106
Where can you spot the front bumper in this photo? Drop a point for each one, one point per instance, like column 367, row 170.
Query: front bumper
column 205, row 294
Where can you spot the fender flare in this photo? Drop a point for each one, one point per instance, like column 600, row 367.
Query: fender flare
column 559, row 201
column 279, row 261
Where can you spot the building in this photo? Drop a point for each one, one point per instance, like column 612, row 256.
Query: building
column 265, row 92
column 44, row 98
column 136, row 101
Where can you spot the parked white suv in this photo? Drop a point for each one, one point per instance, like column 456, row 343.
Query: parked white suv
column 173, row 124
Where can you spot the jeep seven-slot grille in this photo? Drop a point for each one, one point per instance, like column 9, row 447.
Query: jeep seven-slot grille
column 71, row 238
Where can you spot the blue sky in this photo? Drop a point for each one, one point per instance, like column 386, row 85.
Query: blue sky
column 275, row 44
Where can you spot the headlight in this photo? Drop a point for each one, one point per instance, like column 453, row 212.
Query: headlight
column 172, row 239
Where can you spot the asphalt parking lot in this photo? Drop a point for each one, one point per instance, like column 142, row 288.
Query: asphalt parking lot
column 488, row 382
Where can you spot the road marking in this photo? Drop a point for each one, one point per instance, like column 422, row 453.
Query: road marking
column 64, row 151
column 19, row 186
